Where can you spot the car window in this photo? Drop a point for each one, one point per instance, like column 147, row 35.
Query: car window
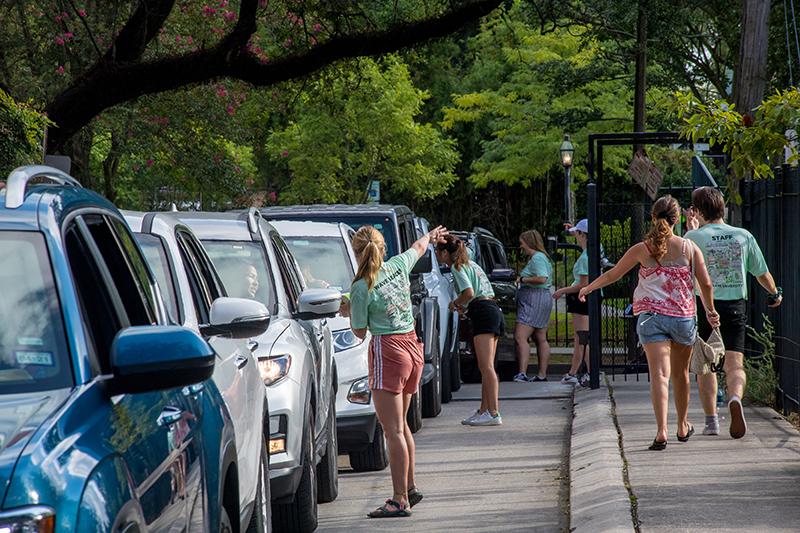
column 33, row 346
column 382, row 223
column 244, row 270
column 486, row 258
column 498, row 256
column 155, row 253
column 202, row 295
column 407, row 234
column 137, row 264
column 287, row 267
column 207, row 270
column 324, row 261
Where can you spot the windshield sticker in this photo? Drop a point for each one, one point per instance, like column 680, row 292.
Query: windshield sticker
column 34, row 358
column 30, row 341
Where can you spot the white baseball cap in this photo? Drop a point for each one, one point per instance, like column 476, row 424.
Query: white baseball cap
column 582, row 226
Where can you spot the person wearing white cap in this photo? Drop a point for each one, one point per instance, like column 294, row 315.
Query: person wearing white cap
column 579, row 310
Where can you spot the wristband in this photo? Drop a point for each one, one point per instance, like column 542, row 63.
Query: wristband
column 773, row 298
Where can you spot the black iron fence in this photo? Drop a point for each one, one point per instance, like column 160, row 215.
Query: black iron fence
column 771, row 211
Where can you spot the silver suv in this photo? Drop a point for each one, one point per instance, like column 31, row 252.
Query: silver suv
column 192, row 292
column 295, row 357
column 326, row 258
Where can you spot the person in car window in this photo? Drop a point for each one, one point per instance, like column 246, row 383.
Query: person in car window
column 534, row 305
column 380, row 302
column 247, row 280
column 475, row 294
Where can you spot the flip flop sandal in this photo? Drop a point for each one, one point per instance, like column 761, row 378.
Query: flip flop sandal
column 414, row 497
column 687, row 436
column 386, row 511
column 658, row 445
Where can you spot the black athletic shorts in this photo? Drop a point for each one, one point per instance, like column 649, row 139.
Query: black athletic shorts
column 486, row 317
column 575, row 306
column 732, row 319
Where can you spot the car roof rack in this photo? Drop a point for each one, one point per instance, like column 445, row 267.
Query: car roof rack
column 19, row 178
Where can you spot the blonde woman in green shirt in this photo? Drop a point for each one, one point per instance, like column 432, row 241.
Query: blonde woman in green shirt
column 534, row 305
column 380, row 302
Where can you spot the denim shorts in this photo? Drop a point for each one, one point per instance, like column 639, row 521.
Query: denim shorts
column 652, row 327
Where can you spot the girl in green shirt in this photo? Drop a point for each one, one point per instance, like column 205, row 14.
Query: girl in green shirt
column 534, row 305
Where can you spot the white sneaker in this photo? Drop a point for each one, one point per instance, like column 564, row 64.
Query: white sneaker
column 569, row 379
column 486, row 419
column 521, row 378
column 467, row 421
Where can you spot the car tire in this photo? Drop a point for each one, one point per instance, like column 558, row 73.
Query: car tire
column 414, row 414
column 261, row 519
column 432, row 391
column 455, row 370
column 374, row 457
column 328, row 469
column 447, row 388
column 300, row 516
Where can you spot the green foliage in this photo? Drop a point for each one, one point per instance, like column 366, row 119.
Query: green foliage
column 357, row 127
column 21, row 131
column 762, row 380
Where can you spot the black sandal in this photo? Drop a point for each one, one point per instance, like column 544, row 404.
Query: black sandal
column 384, row 511
column 658, row 445
column 688, row 434
column 414, row 496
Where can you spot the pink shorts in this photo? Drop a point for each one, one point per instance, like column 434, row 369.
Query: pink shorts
column 395, row 362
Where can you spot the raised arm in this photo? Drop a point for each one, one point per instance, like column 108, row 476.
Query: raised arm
column 635, row 255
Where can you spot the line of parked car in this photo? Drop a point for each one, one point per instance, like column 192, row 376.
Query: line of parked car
column 190, row 371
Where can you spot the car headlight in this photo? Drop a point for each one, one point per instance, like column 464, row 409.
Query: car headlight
column 36, row 519
column 344, row 339
column 273, row 369
column 359, row 391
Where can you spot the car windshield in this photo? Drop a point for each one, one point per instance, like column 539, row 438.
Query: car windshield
column 382, row 223
column 33, row 344
column 324, row 261
column 244, row 270
column 156, row 255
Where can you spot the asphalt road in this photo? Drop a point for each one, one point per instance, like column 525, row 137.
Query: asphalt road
column 507, row 478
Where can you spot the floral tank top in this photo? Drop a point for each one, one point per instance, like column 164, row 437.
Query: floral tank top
column 666, row 289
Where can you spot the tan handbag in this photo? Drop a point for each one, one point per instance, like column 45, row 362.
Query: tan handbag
column 706, row 355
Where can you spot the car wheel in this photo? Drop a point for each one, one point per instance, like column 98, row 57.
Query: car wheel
column 374, row 457
column 225, row 525
column 328, row 478
column 414, row 414
column 300, row 516
column 447, row 389
column 432, row 391
column 455, row 370
column 260, row 520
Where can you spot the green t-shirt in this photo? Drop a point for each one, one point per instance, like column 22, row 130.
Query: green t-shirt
column 538, row 267
column 472, row 276
column 730, row 253
column 386, row 309
column 580, row 268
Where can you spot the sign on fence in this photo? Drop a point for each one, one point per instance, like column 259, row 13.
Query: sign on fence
column 646, row 174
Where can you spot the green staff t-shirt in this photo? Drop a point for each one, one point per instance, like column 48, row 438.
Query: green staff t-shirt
column 580, row 268
column 472, row 276
column 730, row 253
column 386, row 309
column 538, row 267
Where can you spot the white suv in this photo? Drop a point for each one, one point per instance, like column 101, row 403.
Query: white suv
column 325, row 255
column 192, row 292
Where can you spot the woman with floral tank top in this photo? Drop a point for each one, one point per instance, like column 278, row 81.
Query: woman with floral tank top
column 664, row 302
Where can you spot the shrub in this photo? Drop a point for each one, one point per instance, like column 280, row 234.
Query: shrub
column 761, row 377
column 21, row 130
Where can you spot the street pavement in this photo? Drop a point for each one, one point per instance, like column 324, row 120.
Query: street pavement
column 508, row 478
column 710, row 483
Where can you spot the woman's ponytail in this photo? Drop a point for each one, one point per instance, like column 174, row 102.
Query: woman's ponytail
column 369, row 247
column 665, row 213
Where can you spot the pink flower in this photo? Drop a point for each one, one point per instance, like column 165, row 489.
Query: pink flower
column 69, row 35
column 82, row 13
column 59, row 41
column 273, row 196
column 58, row 18
column 285, row 153
column 316, row 28
column 208, row 10
column 222, row 92
column 229, row 15
column 262, row 3
column 149, row 163
column 288, row 43
column 230, row 110
column 177, row 38
column 189, row 39
column 60, row 69
column 223, row 3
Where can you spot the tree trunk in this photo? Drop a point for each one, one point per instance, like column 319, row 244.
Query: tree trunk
column 750, row 77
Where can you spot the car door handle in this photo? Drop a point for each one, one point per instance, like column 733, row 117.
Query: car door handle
column 169, row 416
column 253, row 345
column 241, row 361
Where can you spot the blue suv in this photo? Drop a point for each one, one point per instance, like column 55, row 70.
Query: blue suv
column 108, row 418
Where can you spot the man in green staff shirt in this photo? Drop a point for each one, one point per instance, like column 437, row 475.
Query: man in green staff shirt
column 730, row 254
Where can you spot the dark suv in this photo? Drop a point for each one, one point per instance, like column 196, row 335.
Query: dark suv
column 396, row 223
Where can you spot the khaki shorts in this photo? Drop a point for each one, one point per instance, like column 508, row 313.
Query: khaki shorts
column 395, row 362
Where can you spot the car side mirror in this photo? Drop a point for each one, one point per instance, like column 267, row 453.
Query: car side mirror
column 318, row 303
column 238, row 318
column 503, row 274
column 424, row 264
column 153, row 358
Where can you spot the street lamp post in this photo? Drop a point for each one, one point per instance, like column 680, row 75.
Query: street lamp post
column 567, row 151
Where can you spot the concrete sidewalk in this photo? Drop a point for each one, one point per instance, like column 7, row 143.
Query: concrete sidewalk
column 709, row 483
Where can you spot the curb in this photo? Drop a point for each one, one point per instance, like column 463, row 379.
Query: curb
column 598, row 498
